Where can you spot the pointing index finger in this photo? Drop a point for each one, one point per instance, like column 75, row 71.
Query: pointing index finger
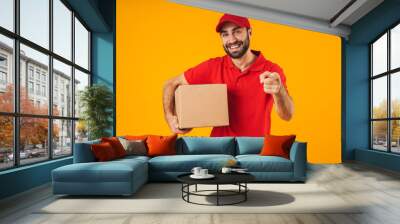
column 263, row 75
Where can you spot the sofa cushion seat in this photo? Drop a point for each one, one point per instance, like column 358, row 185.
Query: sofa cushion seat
column 257, row 163
column 132, row 158
column 184, row 163
column 111, row 171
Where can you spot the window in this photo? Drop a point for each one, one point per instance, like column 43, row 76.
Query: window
column 6, row 73
column 3, row 72
column 47, row 74
column 33, row 148
column 43, row 77
column 395, row 47
column 3, row 78
column 55, row 102
column 37, row 89
column 385, row 91
column 3, row 60
column 62, row 31
column 6, row 142
column 34, row 21
column 81, row 45
column 81, row 81
column 62, row 140
column 30, row 87
column 62, row 74
column 7, row 14
column 37, row 75
column 43, row 90
column 30, row 72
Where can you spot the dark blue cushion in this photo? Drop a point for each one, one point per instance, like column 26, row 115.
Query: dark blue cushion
column 206, row 145
column 249, row 145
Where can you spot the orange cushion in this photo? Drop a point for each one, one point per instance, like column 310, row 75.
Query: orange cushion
column 116, row 145
column 103, row 151
column 131, row 137
column 277, row 145
column 161, row 145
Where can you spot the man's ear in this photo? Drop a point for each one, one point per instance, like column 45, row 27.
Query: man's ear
column 249, row 31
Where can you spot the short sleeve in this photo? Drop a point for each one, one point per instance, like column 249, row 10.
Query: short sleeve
column 200, row 74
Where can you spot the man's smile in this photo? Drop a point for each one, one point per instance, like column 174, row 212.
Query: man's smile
column 235, row 46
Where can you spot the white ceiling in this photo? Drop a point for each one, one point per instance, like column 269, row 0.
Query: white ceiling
column 321, row 9
column 326, row 16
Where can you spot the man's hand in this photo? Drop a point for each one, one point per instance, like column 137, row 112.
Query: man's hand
column 173, row 125
column 271, row 82
column 168, row 103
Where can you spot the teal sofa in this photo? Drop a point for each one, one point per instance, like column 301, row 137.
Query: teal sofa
column 125, row 176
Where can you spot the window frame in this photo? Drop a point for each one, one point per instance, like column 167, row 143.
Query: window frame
column 16, row 114
column 388, row 74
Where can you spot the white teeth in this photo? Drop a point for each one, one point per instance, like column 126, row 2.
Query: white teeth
column 234, row 46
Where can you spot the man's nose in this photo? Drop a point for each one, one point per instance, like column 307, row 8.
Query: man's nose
column 231, row 39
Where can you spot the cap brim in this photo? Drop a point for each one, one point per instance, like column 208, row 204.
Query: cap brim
column 221, row 24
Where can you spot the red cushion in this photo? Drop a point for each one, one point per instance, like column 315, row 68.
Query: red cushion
column 161, row 145
column 116, row 145
column 103, row 151
column 277, row 145
column 133, row 137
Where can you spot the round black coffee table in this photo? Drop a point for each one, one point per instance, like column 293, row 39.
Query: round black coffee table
column 238, row 179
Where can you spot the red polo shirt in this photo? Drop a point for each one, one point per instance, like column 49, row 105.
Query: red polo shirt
column 249, row 106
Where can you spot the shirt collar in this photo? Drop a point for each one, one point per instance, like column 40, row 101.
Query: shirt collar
column 257, row 65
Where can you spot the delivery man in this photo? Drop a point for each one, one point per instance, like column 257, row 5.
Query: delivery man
column 254, row 83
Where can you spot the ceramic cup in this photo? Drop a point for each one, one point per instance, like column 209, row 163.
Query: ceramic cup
column 203, row 172
column 196, row 171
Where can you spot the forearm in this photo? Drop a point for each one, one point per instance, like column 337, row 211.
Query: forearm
column 283, row 104
column 168, row 99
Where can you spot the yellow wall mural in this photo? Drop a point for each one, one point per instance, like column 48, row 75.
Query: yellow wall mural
column 157, row 40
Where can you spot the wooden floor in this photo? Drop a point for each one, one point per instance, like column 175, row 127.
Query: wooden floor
column 377, row 188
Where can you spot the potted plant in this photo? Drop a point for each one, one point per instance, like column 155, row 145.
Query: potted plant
column 97, row 106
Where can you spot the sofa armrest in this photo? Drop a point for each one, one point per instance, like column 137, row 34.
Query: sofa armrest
column 83, row 152
column 298, row 155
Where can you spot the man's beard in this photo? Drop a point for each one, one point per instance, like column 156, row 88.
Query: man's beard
column 238, row 54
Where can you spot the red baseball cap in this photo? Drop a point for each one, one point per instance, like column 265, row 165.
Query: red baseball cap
column 238, row 20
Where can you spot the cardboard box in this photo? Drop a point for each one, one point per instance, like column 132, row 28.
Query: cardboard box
column 202, row 105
